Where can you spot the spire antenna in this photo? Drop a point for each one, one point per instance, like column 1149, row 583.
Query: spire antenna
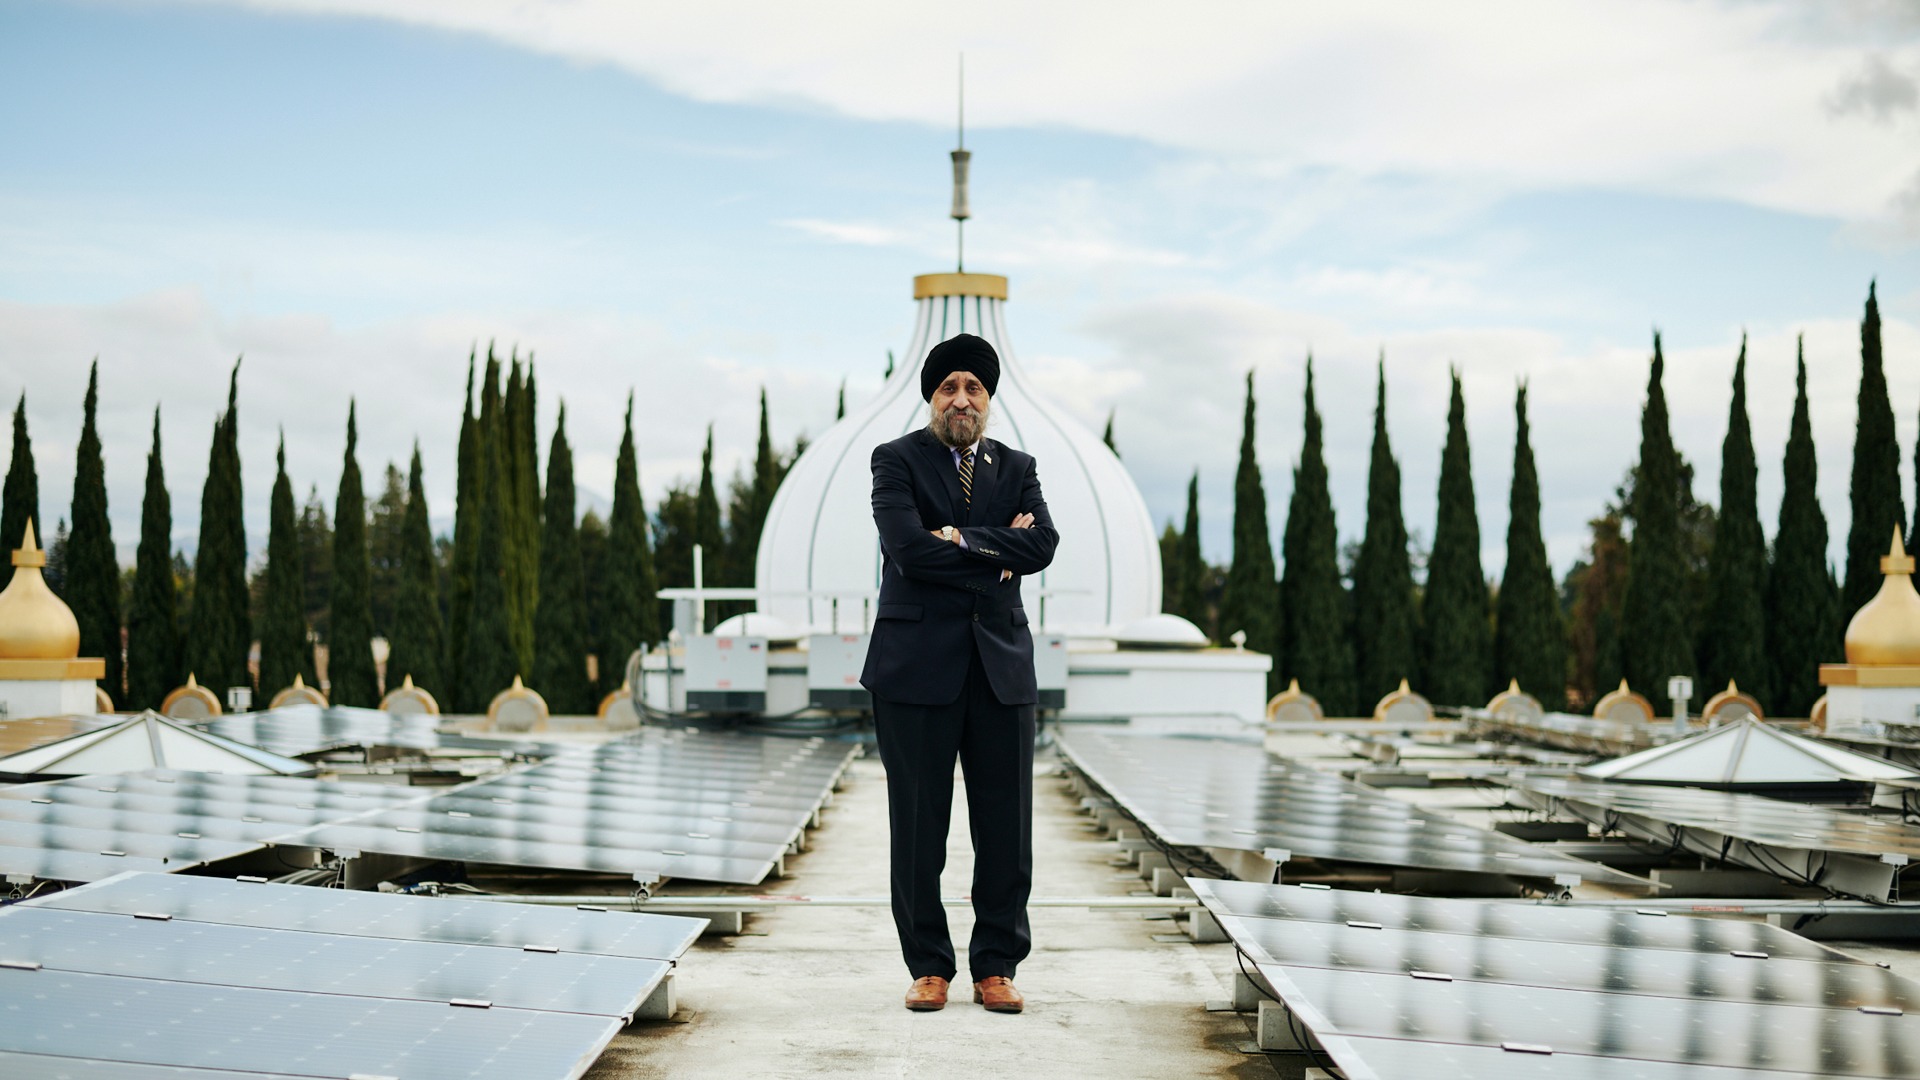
column 961, row 157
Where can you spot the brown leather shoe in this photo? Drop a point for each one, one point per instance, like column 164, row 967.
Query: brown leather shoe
column 996, row 992
column 928, row 994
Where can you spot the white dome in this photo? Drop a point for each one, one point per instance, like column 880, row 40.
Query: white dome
column 1161, row 632
column 819, row 534
column 759, row 624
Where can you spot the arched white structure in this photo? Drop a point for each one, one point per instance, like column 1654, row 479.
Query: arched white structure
column 819, row 534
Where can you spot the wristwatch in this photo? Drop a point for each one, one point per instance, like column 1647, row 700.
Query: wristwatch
column 946, row 533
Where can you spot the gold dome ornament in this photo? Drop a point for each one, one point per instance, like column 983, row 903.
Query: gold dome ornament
column 190, row 702
column 1886, row 632
column 34, row 623
column 298, row 694
column 408, row 698
column 1294, row 706
column 1624, row 705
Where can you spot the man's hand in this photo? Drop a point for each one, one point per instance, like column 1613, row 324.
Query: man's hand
column 1022, row 521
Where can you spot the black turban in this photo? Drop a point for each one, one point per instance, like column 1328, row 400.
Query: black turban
column 966, row 352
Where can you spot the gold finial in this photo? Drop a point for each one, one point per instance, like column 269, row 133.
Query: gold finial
column 1885, row 632
column 1293, row 686
column 1513, row 686
column 297, row 683
column 1732, row 687
column 406, row 683
column 29, row 553
column 190, row 683
column 1404, row 688
column 1896, row 560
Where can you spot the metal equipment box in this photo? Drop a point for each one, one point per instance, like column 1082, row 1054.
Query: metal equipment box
column 1050, row 669
column 727, row 674
column 834, row 662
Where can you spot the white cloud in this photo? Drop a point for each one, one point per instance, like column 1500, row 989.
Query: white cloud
column 860, row 233
column 1713, row 99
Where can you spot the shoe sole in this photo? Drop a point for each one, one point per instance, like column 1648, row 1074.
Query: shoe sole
column 919, row 1006
column 1000, row 1008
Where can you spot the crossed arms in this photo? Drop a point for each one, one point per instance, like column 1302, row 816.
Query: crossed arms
column 992, row 552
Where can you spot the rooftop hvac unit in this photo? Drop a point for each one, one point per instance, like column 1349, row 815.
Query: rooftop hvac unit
column 727, row 674
column 834, row 662
column 1050, row 669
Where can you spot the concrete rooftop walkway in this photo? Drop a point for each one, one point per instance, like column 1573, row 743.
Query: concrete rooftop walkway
column 817, row 992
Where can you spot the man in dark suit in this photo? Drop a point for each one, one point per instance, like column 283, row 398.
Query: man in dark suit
column 950, row 667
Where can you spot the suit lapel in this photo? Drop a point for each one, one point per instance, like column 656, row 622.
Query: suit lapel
column 986, row 469
column 940, row 459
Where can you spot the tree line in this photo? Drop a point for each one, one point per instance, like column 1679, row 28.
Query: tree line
column 523, row 586
column 1669, row 585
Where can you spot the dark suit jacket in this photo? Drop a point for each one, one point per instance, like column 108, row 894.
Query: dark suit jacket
column 938, row 602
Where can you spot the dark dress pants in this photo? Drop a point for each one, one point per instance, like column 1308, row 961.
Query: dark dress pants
column 994, row 743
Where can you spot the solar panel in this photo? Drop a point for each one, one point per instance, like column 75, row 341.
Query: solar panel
column 152, row 1022
column 378, row 915
column 42, row 1067
column 1233, row 795
column 1390, row 999
column 153, row 946
column 1520, row 922
column 1808, row 844
column 165, row 971
column 44, row 864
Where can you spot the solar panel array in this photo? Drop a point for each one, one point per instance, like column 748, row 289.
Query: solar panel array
column 93, row 827
column 682, row 803
column 295, row 730
column 1808, row 844
column 1234, row 795
column 140, row 973
column 1397, row 986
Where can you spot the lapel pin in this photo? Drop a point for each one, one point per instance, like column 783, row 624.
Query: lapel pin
column 989, row 458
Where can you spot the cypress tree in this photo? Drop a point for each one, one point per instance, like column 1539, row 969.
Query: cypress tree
column 459, row 696
column 1457, row 646
column 284, row 648
column 21, row 499
column 490, row 663
column 706, row 519
column 416, row 647
column 631, row 614
column 1383, row 597
column 750, row 515
column 1529, row 638
column 1190, row 570
column 1170, row 569
column 593, row 567
column 1654, row 635
column 153, row 632
column 1316, row 637
column 560, row 663
column 92, row 586
column 519, row 529
column 1803, row 614
column 1876, row 498
column 1107, row 435
column 220, row 632
column 350, row 668
column 1733, row 641
column 1251, row 600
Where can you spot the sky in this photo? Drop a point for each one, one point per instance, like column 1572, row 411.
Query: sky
column 687, row 203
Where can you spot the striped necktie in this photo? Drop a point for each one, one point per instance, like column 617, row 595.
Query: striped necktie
column 966, row 473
